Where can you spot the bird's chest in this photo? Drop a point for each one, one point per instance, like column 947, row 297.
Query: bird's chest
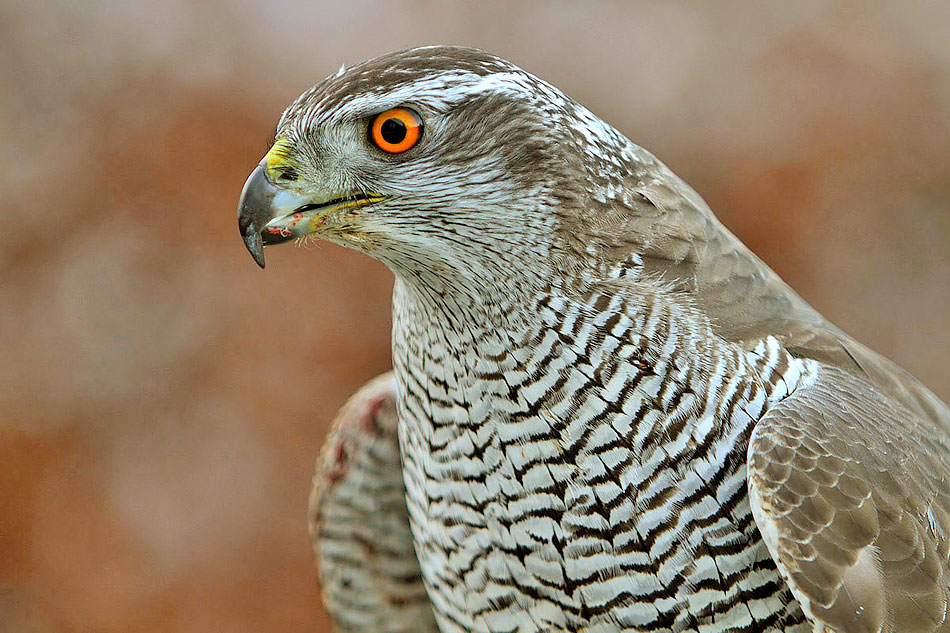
column 557, row 480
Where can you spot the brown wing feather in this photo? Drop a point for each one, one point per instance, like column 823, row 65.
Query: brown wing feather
column 851, row 492
column 747, row 301
column 359, row 523
column 661, row 220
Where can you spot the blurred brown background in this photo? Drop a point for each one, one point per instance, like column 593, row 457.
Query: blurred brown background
column 163, row 399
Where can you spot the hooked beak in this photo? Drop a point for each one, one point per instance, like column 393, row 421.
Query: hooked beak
column 255, row 210
column 271, row 214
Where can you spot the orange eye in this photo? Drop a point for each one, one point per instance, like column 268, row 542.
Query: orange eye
column 396, row 130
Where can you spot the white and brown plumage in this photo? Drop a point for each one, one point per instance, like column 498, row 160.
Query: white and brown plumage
column 359, row 523
column 612, row 415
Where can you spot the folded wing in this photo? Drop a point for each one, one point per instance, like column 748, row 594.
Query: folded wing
column 359, row 524
column 851, row 492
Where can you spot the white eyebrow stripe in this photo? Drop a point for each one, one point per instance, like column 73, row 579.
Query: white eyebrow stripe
column 444, row 89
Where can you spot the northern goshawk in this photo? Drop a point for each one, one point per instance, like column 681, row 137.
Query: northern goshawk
column 611, row 415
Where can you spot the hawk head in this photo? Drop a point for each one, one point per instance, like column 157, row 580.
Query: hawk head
column 440, row 162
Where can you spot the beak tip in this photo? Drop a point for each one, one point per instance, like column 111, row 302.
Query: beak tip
column 255, row 246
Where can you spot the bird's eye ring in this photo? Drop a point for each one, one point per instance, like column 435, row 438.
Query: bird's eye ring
column 396, row 131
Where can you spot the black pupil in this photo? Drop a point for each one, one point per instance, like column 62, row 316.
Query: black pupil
column 393, row 131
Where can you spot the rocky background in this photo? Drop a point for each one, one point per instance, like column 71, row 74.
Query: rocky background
column 163, row 399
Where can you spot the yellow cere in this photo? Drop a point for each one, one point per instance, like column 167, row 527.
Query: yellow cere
column 279, row 158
